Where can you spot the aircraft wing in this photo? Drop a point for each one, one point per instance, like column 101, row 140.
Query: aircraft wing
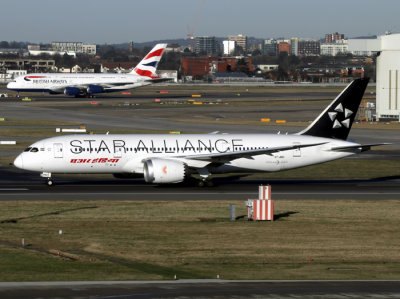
column 159, row 80
column 229, row 156
column 362, row 147
column 60, row 89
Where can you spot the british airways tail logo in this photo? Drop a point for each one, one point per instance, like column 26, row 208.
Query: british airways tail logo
column 155, row 53
column 147, row 68
column 28, row 78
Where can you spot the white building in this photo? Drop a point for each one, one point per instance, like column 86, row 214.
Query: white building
column 229, row 47
column 364, row 46
column 11, row 75
column 387, row 49
column 77, row 47
column 267, row 67
column 333, row 49
column 89, row 49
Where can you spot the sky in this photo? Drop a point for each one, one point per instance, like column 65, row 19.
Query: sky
column 119, row 21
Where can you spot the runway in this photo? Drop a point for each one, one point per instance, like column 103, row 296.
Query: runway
column 207, row 288
column 22, row 186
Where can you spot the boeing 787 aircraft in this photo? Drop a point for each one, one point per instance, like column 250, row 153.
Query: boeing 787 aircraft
column 170, row 158
column 87, row 84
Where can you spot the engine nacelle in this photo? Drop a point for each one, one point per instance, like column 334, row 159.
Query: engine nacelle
column 164, row 171
column 94, row 89
column 72, row 91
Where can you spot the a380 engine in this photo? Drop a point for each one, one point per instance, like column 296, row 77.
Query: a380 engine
column 164, row 171
column 94, row 89
column 72, row 91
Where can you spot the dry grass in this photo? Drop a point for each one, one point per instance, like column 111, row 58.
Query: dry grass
column 153, row 240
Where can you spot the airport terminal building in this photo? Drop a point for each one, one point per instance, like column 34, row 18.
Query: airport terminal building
column 387, row 50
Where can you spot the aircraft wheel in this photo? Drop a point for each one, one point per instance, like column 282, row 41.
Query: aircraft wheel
column 200, row 184
column 49, row 182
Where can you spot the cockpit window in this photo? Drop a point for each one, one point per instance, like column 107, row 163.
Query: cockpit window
column 34, row 150
column 27, row 149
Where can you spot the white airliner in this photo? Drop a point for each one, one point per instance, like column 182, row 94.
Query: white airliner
column 87, row 84
column 170, row 158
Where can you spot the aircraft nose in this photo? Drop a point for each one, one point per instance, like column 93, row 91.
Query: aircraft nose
column 19, row 162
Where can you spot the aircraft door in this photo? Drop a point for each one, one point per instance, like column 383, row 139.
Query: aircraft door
column 118, row 152
column 58, row 150
column 297, row 151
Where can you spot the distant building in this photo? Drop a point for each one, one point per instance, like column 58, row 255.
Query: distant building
column 10, row 75
column 270, row 47
column 202, row 66
column 240, row 40
column 117, row 67
column 12, row 51
column 34, row 47
column 89, row 49
column 77, row 47
column 333, row 49
column 264, row 68
column 206, row 44
column 48, row 52
column 387, row 51
column 32, row 65
column 175, row 48
column 283, row 47
column 309, row 47
column 332, row 37
column 294, row 46
column 171, row 74
column 364, row 46
column 229, row 47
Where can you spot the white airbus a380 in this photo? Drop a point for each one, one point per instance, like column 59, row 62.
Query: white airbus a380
column 87, row 84
column 170, row 158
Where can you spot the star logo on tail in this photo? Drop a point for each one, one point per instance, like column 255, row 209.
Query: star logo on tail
column 333, row 116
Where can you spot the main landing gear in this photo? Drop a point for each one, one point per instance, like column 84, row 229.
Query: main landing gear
column 49, row 181
column 204, row 175
column 205, row 183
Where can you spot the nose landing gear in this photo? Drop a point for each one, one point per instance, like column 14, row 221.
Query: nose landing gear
column 49, row 181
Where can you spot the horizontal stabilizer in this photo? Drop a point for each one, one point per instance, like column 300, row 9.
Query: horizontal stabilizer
column 362, row 147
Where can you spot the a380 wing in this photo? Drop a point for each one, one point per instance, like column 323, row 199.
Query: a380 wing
column 60, row 89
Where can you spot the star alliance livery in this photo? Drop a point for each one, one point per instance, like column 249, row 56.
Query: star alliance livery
column 170, row 158
column 88, row 84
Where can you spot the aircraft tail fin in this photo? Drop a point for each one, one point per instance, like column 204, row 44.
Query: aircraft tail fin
column 148, row 66
column 336, row 120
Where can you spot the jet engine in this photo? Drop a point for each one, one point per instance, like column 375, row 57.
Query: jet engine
column 72, row 91
column 164, row 171
column 94, row 89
